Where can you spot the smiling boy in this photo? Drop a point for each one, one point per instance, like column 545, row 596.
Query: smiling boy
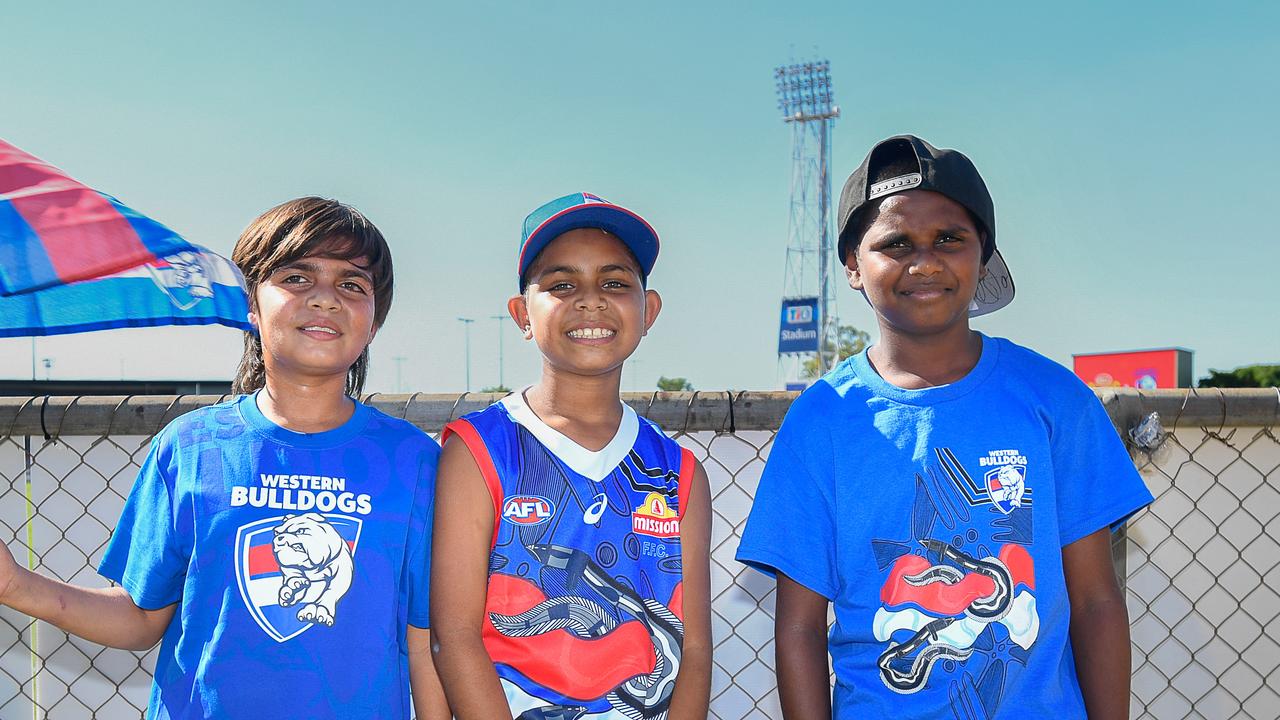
column 276, row 544
column 949, row 493
column 571, row 566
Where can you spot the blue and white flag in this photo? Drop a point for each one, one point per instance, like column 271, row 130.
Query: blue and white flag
column 195, row 287
column 73, row 259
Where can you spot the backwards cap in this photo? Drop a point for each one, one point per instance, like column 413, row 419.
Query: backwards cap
column 906, row 162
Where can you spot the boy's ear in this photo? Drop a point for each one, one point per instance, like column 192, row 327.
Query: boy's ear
column 252, row 317
column 519, row 311
column 652, row 306
column 851, row 270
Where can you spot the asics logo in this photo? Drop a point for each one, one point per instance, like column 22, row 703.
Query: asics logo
column 595, row 511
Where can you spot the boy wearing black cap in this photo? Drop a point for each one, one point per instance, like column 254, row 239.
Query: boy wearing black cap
column 949, row 492
column 573, row 574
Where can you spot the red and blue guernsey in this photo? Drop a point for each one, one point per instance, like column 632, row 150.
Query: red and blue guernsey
column 583, row 617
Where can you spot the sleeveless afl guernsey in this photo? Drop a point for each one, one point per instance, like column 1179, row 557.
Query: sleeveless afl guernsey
column 583, row 615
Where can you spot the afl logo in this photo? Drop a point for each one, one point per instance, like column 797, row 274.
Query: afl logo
column 527, row 509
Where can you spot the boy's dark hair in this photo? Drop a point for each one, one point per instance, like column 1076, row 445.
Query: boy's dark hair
column 309, row 227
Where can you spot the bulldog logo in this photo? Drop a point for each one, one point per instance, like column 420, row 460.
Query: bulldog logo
column 184, row 278
column 293, row 570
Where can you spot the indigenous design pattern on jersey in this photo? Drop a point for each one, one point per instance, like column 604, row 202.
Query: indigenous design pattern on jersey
column 583, row 611
column 961, row 589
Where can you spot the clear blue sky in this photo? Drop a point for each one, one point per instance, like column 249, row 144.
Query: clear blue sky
column 1131, row 149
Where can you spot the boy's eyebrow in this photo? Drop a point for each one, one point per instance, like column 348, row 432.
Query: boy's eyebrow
column 891, row 237
column 306, row 266
column 895, row 236
column 356, row 271
column 575, row 270
column 618, row 267
column 566, row 269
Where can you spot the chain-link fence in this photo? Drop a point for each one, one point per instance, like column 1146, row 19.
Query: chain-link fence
column 1201, row 566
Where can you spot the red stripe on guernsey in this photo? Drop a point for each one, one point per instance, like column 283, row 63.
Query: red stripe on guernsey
column 687, row 465
column 558, row 660
column 82, row 233
column 1021, row 567
column 262, row 561
column 676, row 605
column 940, row 598
column 480, row 453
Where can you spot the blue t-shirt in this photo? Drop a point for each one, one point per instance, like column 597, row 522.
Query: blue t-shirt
column 584, row 604
column 297, row 561
column 934, row 520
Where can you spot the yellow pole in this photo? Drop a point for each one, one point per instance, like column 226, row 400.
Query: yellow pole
column 31, row 565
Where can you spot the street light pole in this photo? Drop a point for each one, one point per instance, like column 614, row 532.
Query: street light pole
column 501, row 378
column 399, row 362
column 466, row 323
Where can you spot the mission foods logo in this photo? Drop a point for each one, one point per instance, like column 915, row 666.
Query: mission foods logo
column 655, row 518
column 527, row 509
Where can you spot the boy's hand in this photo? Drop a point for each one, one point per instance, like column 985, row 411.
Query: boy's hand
column 107, row 616
column 424, row 683
column 8, row 571
column 1099, row 626
column 800, row 647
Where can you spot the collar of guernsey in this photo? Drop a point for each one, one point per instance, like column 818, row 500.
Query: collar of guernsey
column 594, row 464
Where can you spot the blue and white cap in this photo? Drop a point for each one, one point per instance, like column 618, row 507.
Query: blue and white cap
column 584, row 210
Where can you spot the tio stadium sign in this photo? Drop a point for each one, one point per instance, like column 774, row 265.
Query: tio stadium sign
column 798, row 332
column 1143, row 369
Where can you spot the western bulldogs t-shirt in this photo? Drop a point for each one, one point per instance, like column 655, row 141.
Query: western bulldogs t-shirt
column 297, row 560
column 584, row 611
column 934, row 520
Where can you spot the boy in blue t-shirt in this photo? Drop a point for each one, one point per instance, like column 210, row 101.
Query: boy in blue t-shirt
column 277, row 544
column 950, row 494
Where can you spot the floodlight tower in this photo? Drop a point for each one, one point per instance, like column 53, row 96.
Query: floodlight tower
column 806, row 102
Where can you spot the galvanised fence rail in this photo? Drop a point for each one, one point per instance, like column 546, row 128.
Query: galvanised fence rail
column 1201, row 566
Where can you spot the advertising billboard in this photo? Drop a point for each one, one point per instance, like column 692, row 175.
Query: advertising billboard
column 1143, row 369
column 798, row 331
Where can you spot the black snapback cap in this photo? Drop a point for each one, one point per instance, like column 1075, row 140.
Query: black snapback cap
column 906, row 162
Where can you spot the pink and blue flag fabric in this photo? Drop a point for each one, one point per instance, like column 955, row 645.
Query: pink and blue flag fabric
column 73, row 259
